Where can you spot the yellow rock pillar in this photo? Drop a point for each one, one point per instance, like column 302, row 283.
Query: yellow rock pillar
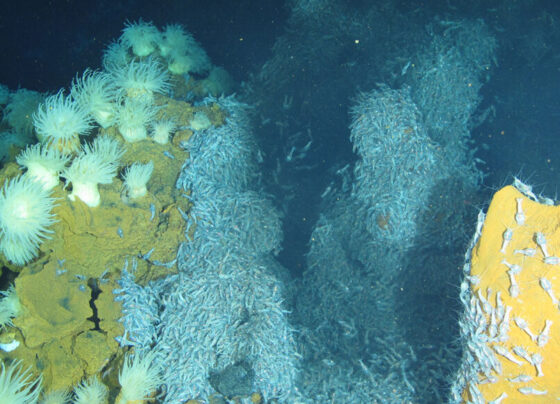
column 511, row 325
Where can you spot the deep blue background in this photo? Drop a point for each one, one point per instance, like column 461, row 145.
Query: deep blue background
column 44, row 44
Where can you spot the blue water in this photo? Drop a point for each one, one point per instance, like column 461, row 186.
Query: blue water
column 382, row 310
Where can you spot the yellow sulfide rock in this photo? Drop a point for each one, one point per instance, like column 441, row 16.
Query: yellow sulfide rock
column 512, row 319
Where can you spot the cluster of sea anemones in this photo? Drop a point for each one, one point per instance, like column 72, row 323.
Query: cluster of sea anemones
column 26, row 203
column 122, row 95
column 136, row 67
column 139, row 379
column 182, row 52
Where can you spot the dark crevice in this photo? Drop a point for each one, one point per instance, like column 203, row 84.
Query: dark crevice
column 93, row 284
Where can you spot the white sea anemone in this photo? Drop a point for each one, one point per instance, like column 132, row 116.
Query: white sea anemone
column 10, row 307
column 175, row 39
column 106, row 148
column 193, row 60
column 17, row 386
column 139, row 378
column 25, row 215
column 133, row 117
column 136, row 177
column 56, row 397
column 96, row 164
column 218, row 82
column 180, row 64
column 141, row 78
column 59, row 121
column 200, row 121
column 141, row 36
column 116, row 54
column 96, row 92
column 161, row 130
column 43, row 164
column 91, row 391
column 183, row 53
